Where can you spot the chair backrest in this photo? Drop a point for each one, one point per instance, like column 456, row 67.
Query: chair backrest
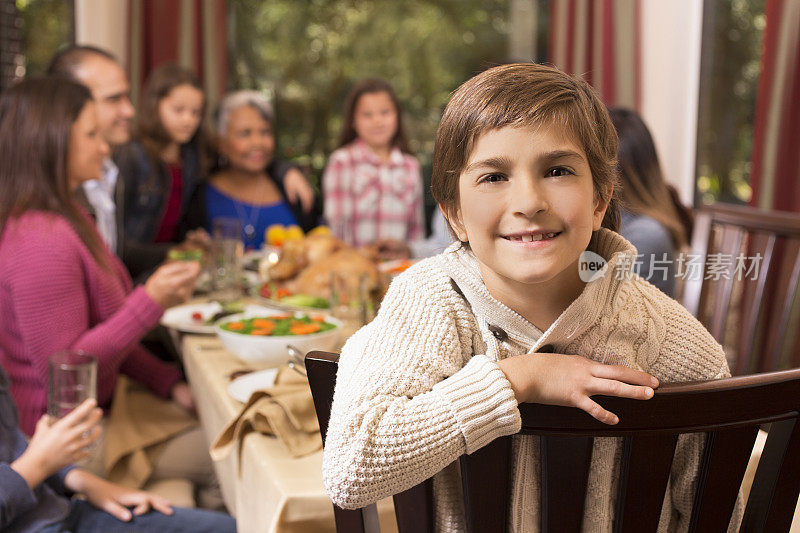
column 741, row 282
column 729, row 411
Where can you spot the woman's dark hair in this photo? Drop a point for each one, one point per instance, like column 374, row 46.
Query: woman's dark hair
column 643, row 190
column 36, row 118
column 149, row 130
column 371, row 86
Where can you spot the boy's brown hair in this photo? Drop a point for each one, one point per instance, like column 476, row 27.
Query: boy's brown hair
column 524, row 95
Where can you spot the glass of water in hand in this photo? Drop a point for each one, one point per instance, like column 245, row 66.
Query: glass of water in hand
column 72, row 378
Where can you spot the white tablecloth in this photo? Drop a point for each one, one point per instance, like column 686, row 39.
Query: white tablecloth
column 270, row 491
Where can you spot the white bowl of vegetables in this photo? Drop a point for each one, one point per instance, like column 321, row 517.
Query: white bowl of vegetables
column 263, row 334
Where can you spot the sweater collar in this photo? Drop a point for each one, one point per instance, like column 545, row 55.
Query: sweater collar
column 597, row 296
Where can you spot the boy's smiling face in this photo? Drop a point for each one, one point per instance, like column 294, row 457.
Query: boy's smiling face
column 527, row 206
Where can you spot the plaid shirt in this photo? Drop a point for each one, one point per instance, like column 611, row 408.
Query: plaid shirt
column 368, row 199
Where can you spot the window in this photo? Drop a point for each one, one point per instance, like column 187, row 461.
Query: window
column 34, row 30
column 306, row 55
column 729, row 70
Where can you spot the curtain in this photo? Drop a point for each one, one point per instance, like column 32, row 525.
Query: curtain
column 599, row 40
column 191, row 33
column 776, row 144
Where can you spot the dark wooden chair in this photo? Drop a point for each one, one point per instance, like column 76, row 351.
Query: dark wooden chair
column 729, row 411
column 749, row 313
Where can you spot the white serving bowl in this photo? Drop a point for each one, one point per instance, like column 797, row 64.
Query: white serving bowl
column 272, row 349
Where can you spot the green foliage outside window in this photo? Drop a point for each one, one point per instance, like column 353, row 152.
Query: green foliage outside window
column 307, row 53
column 47, row 25
column 732, row 37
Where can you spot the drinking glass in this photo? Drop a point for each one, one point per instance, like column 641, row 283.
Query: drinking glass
column 350, row 302
column 342, row 228
column 226, row 258
column 72, row 378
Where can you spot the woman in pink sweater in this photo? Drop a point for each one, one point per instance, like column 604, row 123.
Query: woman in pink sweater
column 61, row 288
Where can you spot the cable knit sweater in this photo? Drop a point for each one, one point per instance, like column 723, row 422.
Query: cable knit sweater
column 420, row 385
column 55, row 296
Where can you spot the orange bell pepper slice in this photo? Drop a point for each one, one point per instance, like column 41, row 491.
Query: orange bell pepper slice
column 263, row 323
column 298, row 328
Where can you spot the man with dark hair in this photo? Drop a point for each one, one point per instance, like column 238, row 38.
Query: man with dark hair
column 100, row 71
column 102, row 74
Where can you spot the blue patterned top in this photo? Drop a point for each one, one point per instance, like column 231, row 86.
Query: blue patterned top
column 257, row 217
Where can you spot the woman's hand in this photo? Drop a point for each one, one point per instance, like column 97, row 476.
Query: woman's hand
column 182, row 395
column 58, row 443
column 569, row 380
column 198, row 239
column 173, row 283
column 115, row 499
column 298, row 189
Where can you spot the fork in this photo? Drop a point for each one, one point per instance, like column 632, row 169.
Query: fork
column 296, row 360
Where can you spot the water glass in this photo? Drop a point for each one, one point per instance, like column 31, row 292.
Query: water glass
column 342, row 228
column 72, row 378
column 226, row 258
column 350, row 301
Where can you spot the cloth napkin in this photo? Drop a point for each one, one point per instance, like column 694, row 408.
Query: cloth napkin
column 138, row 425
column 285, row 410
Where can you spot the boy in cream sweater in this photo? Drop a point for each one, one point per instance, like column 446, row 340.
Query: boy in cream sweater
column 524, row 172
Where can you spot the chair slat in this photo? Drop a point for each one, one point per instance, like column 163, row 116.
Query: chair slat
column 564, row 473
column 783, row 292
column 776, row 483
column 364, row 520
column 754, row 301
column 731, row 243
column 321, row 368
column 787, row 488
column 692, row 290
column 413, row 508
column 485, row 480
column 789, row 296
column 722, row 468
column 643, row 477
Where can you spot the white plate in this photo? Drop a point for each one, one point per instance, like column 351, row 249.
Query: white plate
column 180, row 317
column 242, row 387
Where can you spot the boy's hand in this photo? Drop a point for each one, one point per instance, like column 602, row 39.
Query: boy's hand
column 570, row 380
column 115, row 499
column 57, row 443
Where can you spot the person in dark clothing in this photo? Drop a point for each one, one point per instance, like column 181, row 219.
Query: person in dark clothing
column 652, row 218
column 38, row 478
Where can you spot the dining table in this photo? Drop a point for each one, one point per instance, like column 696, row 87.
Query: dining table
column 263, row 485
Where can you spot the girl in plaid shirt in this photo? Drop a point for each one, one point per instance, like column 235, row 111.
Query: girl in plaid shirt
column 372, row 185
